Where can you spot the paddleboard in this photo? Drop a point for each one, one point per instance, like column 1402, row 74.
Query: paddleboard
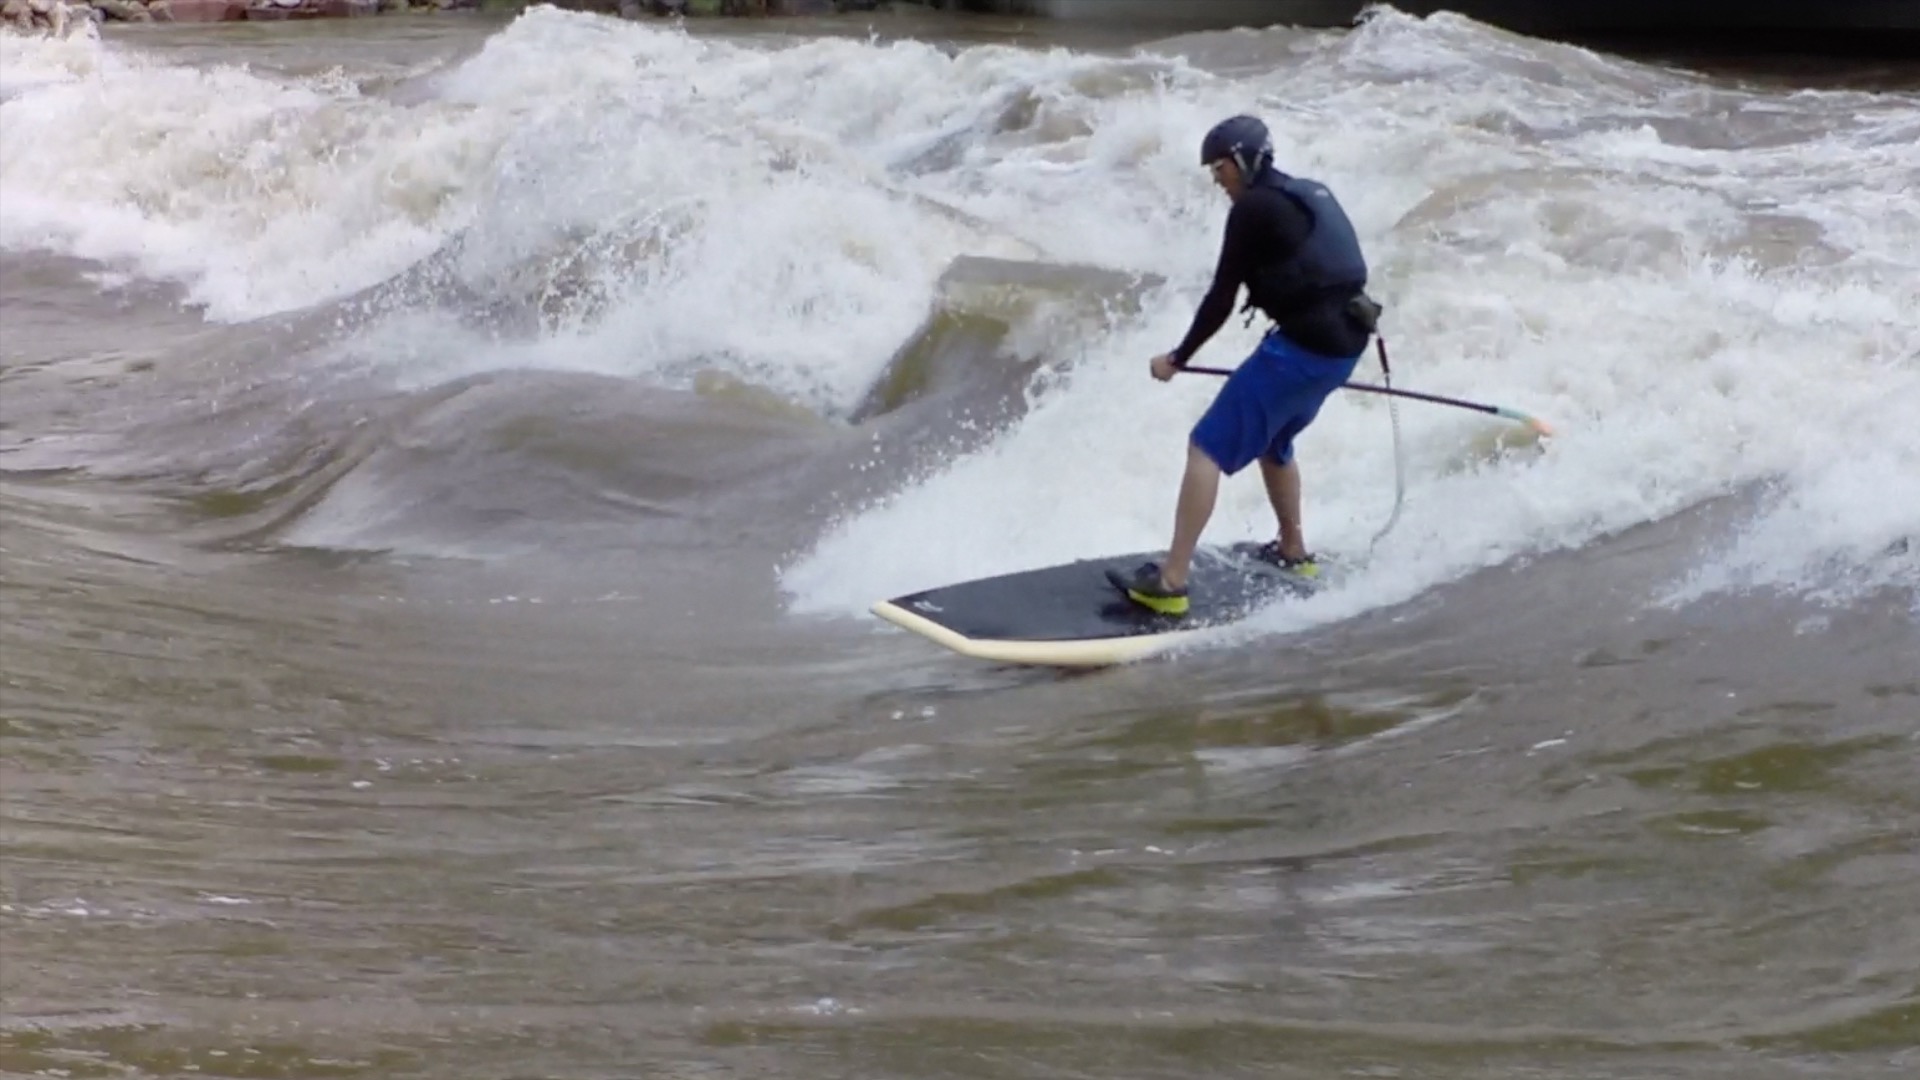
column 1070, row 615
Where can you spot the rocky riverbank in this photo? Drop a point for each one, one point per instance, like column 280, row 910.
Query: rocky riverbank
column 61, row 17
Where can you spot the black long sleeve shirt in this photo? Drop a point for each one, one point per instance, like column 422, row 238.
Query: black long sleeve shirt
column 1266, row 227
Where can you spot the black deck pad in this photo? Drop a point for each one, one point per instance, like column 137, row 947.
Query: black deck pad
column 1075, row 601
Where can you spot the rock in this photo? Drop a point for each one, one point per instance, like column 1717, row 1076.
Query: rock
column 123, row 10
column 40, row 7
column 197, row 11
column 340, row 9
column 280, row 11
column 16, row 11
column 393, row 5
column 667, row 7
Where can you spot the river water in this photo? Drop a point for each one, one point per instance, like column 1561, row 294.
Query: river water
column 444, row 465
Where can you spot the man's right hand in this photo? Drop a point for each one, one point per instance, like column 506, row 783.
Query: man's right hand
column 1163, row 367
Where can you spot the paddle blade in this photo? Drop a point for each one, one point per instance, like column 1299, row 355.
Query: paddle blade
column 1537, row 426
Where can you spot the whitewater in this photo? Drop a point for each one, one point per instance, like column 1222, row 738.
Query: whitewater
column 1700, row 312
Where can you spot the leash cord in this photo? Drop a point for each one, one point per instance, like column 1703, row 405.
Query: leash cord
column 1399, row 455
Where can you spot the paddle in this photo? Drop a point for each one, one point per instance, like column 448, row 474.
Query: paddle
column 1538, row 426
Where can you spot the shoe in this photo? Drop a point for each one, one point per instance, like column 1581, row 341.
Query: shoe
column 1269, row 553
column 1145, row 587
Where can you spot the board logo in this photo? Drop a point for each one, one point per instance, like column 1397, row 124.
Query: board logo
column 928, row 606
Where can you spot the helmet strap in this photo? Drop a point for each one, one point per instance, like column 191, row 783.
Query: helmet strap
column 1251, row 161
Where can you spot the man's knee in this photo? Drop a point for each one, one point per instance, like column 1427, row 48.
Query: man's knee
column 1199, row 457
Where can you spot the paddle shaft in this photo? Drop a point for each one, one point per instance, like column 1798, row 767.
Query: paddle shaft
column 1491, row 410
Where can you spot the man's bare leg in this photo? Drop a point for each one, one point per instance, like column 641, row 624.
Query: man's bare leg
column 1198, row 489
column 1283, row 491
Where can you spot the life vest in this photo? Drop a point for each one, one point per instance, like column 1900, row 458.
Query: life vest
column 1326, row 268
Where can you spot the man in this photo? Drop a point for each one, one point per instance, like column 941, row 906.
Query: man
column 1290, row 244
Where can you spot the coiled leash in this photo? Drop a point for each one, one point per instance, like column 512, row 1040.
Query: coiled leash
column 1399, row 455
column 1364, row 309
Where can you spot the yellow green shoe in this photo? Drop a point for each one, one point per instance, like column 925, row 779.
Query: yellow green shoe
column 1269, row 553
column 1144, row 587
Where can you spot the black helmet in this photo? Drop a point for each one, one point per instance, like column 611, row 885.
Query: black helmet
column 1242, row 138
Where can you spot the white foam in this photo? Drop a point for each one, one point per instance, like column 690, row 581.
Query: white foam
column 28, row 61
column 258, row 194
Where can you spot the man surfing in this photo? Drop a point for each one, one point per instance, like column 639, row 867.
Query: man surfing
column 1291, row 246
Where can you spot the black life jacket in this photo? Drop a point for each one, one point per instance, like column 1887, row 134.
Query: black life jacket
column 1327, row 268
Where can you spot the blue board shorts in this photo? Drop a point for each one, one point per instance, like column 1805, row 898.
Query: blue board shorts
column 1270, row 398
